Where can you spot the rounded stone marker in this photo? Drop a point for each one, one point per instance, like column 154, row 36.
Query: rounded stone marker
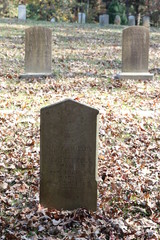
column 135, row 53
column 53, row 20
column 22, row 12
column 146, row 21
column 117, row 20
column 38, row 52
column 131, row 20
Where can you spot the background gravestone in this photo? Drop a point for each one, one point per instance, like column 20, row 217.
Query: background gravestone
column 135, row 50
column 131, row 20
column 53, row 20
column 104, row 20
column 38, row 52
column 68, row 160
column 22, row 12
column 81, row 18
column 146, row 21
column 117, row 20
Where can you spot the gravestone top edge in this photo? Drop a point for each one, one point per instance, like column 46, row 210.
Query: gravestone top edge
column 38, row 27
column 136, row 27
column 69, row 100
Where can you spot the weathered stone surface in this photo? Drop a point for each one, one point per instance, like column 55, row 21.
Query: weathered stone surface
column 38, row 49
column 22, row 12
column 117, row 20
column 68, row 161
column 104, row 20
column 131, row 20
column 53, row 20
column 135, row 48
column 146, row 21
column 81, row 18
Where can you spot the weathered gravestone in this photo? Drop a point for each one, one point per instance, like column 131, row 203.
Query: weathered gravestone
column 53, row 20
column 22, row 12
column 68, row 156
column 135, row 49
column 104, row 20
column 81, row 18
column 117, row 20
column 131, row 20
column 38, row 52
column 146, row 21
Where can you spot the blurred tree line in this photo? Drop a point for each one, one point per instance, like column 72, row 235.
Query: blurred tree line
column 138, row 8
column 67, row 10
column 63, row 10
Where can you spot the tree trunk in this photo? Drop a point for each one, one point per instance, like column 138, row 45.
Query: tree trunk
column 137, row 12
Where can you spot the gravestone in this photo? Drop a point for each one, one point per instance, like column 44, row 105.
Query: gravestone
column 146, row 21
column 131, row 20
column 135, row 50
column 117, row 20
column 68, row 156
column 38, row 52
column 104, row 20
column 81, row 18
column 53, row 20
column 22, row 12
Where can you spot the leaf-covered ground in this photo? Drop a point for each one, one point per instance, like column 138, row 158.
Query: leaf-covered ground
column 84, row 62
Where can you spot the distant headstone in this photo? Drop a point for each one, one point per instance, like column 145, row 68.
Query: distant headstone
column 104, row 20
column 135, row 50
column 38, row 52
column 53, row 20
column 81, row 18
column 146, row 21
column 117, row 20
column 131, row 20
column 22, row 12
column 68, row 156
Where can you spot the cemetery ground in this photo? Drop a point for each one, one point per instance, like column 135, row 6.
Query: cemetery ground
column 84, row 62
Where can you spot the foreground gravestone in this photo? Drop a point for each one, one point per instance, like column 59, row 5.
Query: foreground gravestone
column 22, row 12
column 38, row 49
column 104, row 20
column 68, row 156
column 135, row 50
column 81, row 18
column 131, row 20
